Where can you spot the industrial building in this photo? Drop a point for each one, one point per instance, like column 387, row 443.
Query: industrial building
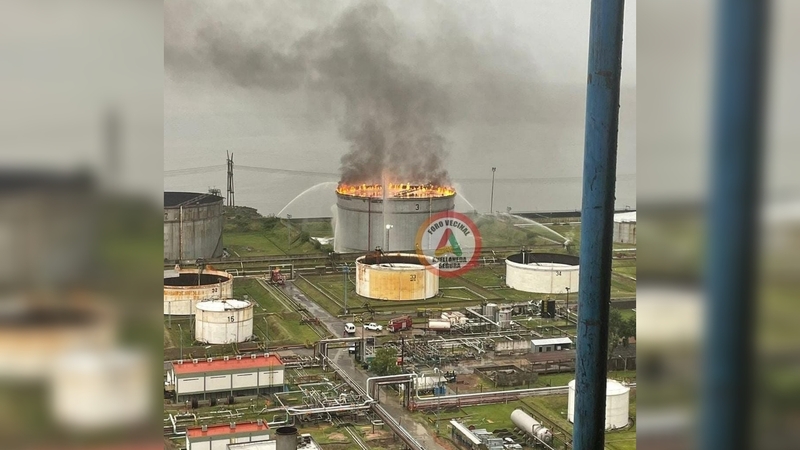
column 550, row 344
column 192, row 226
column 224, row 436
column 184, row 288
column 366, row 217
column 543, row 273
column 213, row 379
column 397, row 276
column 223, row 321
column 625, row 227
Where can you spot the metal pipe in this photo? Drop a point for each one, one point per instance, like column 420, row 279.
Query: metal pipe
column 597, row 220
column 738, row 127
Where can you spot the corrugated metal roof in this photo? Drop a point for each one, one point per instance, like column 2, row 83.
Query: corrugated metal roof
column 551, row 341
column 246, row 362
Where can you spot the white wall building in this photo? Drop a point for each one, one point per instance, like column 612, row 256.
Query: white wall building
column 228, row 376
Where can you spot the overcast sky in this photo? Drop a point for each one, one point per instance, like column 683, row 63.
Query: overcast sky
column 280, row 84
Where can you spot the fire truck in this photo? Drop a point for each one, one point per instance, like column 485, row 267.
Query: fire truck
column 400, row 324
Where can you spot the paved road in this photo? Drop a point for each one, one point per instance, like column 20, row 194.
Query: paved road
column 344, row 360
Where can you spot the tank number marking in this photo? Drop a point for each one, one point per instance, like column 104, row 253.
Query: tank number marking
column 417, row 206
column 214, row 289
column 232, row 318
column 413, row 278
column 558, row 273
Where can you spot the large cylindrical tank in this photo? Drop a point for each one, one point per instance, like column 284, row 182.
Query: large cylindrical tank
column 396, row 276
column 184, row 291
column 223, row 321
column 490, row 311
column 531, row 426
column 617, row 404
column 625, row 227
column 542, row 273
column 286, row 438
column 192, row 226
column 504, row 318
column 360, row 224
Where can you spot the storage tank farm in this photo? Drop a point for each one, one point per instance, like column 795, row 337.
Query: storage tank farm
column 369, row 216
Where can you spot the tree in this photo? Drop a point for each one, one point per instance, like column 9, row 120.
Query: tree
column 628, row 329
column 615, row 325
column 385, row 362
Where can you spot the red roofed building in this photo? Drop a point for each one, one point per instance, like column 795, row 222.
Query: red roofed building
column 220, row 436
column 221, row 378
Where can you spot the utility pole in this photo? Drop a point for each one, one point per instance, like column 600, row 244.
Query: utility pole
column 345, row 272
column 266, row 333
column 491, row 203
column 288, row 231
column 231, row 198
column 181, row 338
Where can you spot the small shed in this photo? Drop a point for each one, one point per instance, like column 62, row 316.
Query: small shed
column 550, row 344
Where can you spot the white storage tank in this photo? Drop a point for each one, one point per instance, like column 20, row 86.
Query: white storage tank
column 542, row 273
column 617, row 404
column 397, row 276
column 625, row 227
column 223, row 321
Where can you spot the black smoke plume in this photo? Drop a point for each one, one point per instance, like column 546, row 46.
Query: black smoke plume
column 391, row 113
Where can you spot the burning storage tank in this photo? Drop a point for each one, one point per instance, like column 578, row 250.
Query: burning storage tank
column 617, row 404
column 366, row 218
column 192, row 226
column 396, row 276
column 184, row 288
column 223, row 321
column 542, row 273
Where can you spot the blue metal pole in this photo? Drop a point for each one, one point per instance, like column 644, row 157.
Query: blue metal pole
column 732, row 227
column 597, row 219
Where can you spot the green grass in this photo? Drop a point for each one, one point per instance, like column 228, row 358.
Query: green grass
column 255, row 292
column 627, row 313
column 314, row 295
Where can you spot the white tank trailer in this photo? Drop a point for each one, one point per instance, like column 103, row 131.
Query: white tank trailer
column 223, row 321
column 439, row 324
column 531, row 426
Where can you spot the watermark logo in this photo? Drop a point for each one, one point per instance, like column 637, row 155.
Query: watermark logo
column 449, row 243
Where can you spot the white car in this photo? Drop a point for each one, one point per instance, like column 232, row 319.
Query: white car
column 372, row 326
